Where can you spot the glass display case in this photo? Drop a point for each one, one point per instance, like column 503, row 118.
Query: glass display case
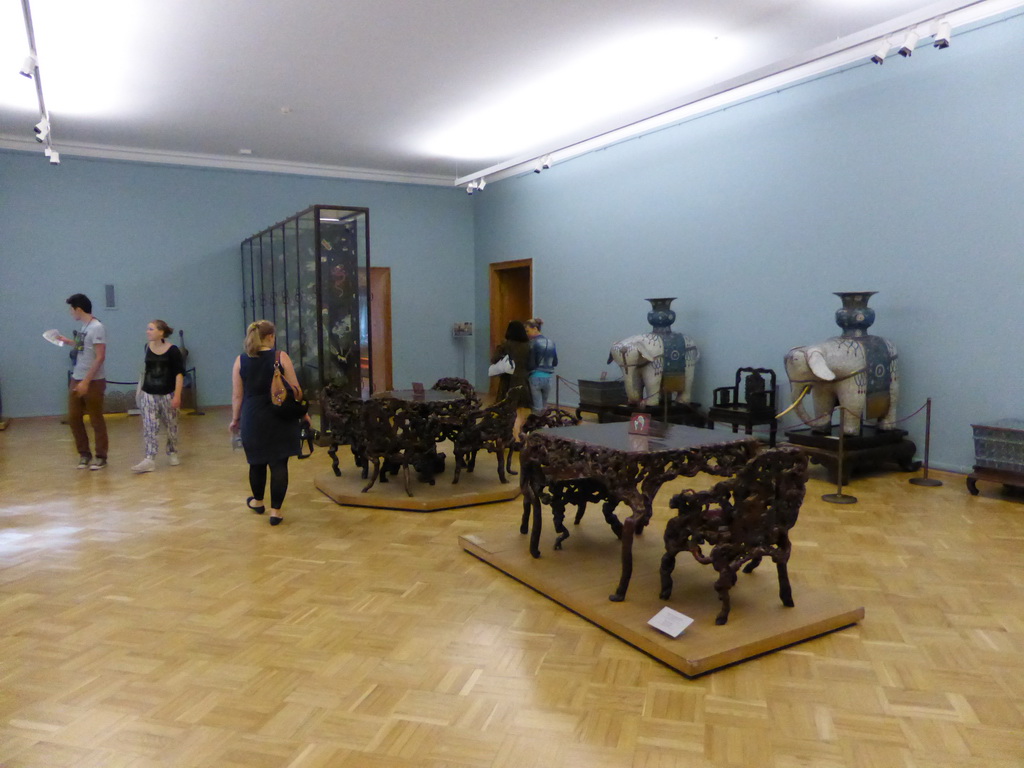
column 309, row 275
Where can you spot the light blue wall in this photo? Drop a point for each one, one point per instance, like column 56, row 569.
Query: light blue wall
column 906, row 179
column 168, row 239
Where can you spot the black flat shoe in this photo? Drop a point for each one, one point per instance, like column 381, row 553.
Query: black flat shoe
column 276, row 520
column 258, row 510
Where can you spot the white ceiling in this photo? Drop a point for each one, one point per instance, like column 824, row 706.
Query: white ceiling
column 380, row 88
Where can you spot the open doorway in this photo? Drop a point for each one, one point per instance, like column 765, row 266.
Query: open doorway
column 380, row 328
column 511, row 287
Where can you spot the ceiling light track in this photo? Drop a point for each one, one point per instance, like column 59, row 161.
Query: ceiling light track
column 30, row 69
column 874, row 44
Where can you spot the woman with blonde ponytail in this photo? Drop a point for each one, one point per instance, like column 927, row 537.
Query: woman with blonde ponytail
column 268, row 439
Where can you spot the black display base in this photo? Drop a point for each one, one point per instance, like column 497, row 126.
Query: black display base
column 870, row 449
column 678, row 413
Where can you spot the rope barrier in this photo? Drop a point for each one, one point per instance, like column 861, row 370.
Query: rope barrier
column 576, row 390
column 841, row 408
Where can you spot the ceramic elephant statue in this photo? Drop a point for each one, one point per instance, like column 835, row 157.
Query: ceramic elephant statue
column 642, row 360
column 860, row 373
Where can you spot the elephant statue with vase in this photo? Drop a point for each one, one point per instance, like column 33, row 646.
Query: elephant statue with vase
column 658, row 360
column 856, row 371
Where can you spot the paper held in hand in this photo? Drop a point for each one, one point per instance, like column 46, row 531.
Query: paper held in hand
column 51, row 336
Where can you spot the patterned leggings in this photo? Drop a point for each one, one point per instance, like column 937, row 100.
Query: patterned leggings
column 157, row 408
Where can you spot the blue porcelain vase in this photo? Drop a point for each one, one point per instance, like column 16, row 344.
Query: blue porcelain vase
column 661, row 315
column 855, row 316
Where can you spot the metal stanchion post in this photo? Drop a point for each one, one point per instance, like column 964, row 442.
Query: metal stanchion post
column 926, row 481
column 839, row 497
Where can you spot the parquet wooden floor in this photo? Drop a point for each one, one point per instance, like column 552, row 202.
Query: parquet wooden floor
column 152, row 621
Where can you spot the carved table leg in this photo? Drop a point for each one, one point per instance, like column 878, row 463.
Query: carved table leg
column 532, row 494
column 785, row 590
column 636, row 521
column 726, row 580
column 558, row 505
column 668, row 564
column 608, row 510
column 501, row 463
column 373, row 475
column 628, row 527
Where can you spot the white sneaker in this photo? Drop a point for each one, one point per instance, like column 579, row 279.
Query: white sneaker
column 146, row 465
column 173, row 459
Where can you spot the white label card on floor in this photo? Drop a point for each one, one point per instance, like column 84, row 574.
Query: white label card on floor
column 672, row 623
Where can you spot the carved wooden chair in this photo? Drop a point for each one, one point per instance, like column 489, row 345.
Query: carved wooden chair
column 384, row 444
column 455, row 384
column 563, row 493
column 341, row 422
column 451, row 417
column 487, row 429
column 417, row 429
column 748, row 402
column 739, row 521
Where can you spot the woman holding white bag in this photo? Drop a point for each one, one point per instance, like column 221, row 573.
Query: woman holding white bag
column 515, row 385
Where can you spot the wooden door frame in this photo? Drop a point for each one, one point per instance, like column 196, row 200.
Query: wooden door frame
column 498, row 332
column 385, row 313
column 497, row 323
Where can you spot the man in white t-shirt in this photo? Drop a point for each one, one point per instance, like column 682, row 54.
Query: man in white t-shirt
column 88, row 384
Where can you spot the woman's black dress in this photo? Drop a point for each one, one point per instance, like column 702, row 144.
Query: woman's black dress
column 266, row 437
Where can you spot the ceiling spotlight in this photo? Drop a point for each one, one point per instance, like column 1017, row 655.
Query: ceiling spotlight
column 545, row 162
column 538, row 166
column 942, row 34
column 481, row 183
column 883, row 50
column 909, row 44
column 28, row 69
column 42, row 129
column 472, row 187
column 54, row 157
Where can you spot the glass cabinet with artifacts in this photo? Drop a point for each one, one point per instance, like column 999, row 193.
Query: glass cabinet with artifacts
column 309, row 275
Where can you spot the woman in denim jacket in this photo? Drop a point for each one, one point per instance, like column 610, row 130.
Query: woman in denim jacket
column 543, row 359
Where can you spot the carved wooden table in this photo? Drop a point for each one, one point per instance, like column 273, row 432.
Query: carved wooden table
column 430, row 415
column 427, row 401
column 626, row 468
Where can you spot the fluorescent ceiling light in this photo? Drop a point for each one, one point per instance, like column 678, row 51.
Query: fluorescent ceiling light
column 614, row 79
column 86, row 58
column 852, row 50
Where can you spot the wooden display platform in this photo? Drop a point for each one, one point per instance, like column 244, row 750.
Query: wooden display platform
column 583, row 574
column 481, row 486
column 870, row 449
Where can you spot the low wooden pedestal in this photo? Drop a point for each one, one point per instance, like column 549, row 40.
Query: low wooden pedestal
column 1013, row 479
column 581, row 575
column 480, row 486
column 871, row 448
